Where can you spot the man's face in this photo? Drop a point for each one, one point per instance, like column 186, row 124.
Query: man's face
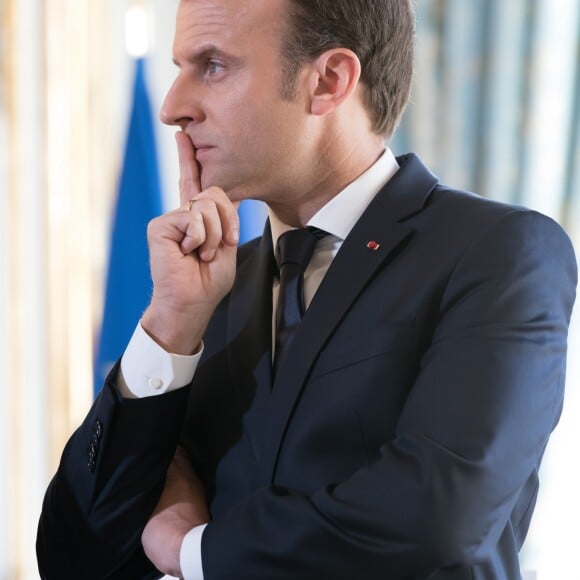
column 227, row 97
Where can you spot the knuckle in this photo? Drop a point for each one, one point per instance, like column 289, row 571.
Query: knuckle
column 196, row 235
column 153, row 226
column 214, row 190
column 201, row 202
column 215, row 193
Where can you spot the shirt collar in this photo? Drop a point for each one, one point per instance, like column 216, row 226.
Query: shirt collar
column 341, row 213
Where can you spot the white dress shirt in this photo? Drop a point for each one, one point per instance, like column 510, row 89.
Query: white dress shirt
column 147, row 370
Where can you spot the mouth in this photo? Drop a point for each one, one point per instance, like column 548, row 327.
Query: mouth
column 202, row 151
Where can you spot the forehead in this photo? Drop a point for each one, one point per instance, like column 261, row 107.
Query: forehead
column 244, row 20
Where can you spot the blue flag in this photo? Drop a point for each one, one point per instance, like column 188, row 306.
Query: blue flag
column 129, row 285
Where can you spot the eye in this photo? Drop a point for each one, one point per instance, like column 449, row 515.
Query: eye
column 214, row 67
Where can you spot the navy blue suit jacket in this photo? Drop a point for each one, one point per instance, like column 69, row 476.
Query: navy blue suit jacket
column 402, row 436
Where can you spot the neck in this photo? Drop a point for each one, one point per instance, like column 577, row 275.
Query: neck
column 332, row 175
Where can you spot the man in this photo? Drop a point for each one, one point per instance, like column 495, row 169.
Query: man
column 397, row 430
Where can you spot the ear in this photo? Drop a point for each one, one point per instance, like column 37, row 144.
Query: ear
column 334, row 77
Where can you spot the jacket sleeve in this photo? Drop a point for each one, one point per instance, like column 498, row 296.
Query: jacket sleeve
column 469, row 439
column 109, row 479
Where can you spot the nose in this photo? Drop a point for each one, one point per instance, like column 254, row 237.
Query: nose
column 179, row 107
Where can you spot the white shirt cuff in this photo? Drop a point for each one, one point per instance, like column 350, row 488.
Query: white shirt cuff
column 148, row 370
column 190, row 554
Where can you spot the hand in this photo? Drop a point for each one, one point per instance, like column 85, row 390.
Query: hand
column 193, row 259
column 181, row 507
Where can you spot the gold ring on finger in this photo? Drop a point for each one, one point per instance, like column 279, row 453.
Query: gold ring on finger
column 189, row 205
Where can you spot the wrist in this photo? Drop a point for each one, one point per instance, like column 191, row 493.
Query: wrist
column 162, row 544
column 177, row 332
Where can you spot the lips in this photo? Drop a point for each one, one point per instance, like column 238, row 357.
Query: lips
column 202, row 151
column 198, row 145
column 201, row 148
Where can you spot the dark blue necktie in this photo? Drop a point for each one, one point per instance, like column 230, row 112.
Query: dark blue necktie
column 295, row 249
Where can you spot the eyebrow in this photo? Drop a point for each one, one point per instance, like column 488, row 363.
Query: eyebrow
column 205, row 53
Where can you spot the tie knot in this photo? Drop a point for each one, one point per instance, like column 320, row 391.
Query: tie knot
column 296, row 246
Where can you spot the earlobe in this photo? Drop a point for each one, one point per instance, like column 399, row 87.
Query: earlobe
column 334, row 78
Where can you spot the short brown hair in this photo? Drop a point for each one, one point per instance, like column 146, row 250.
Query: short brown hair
column 380, row 32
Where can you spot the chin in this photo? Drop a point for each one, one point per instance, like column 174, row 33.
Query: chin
column 235, row 189
column 209, row 179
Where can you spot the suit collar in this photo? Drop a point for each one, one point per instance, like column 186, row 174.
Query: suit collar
column 408, row 190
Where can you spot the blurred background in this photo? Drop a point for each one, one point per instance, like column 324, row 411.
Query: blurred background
column 495, row 109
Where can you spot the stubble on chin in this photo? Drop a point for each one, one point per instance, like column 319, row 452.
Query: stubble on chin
column 208, row 179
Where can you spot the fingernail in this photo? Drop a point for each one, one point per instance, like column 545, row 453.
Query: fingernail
column 208, row 255
column 235, row 235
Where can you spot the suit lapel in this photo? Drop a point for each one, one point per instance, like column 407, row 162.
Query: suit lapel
column 351, row 270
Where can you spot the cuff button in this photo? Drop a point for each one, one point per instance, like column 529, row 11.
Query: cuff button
column 155, row 383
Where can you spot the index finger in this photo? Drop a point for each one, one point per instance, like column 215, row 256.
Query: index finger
column 189, row 178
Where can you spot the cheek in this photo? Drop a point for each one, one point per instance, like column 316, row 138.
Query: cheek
column 255, row 132
column 280, row 129
column 262, row 137
column 240, row 125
